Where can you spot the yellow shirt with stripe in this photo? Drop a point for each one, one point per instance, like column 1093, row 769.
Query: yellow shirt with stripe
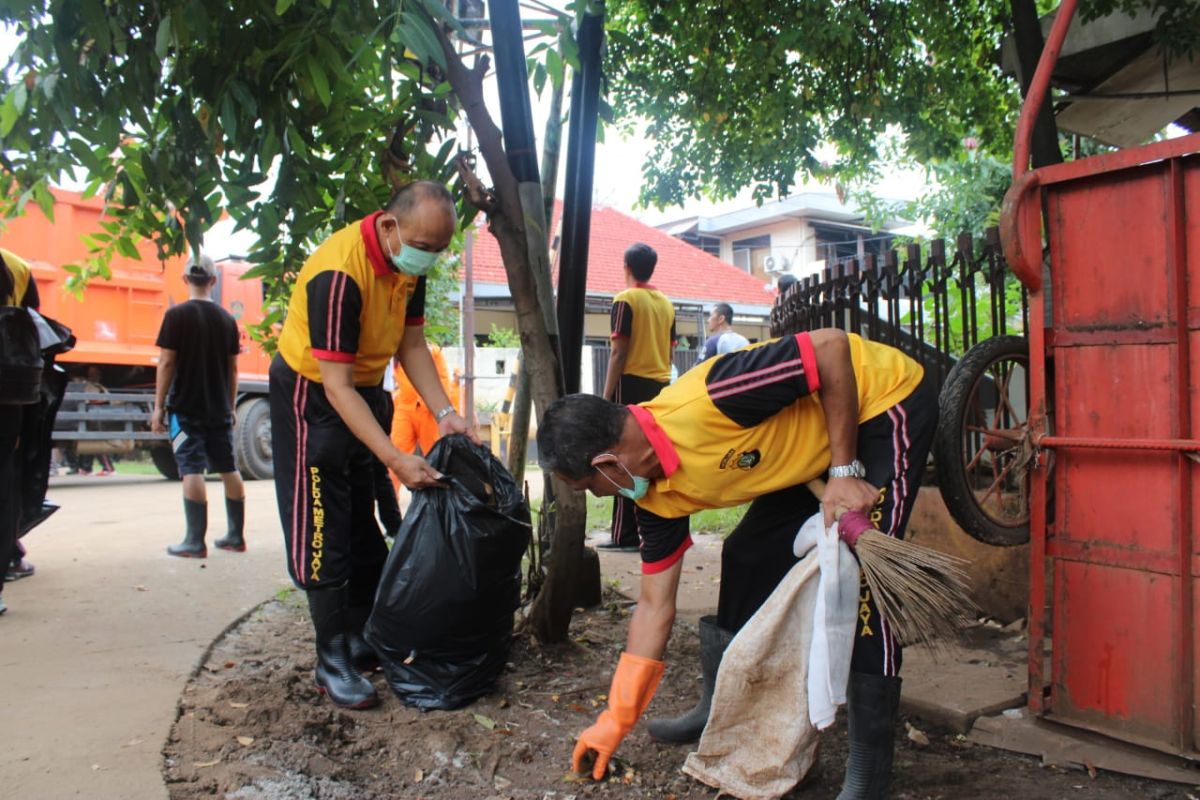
column 350, row 305
column 21, row 277
column 646, row 317
column 750, row 422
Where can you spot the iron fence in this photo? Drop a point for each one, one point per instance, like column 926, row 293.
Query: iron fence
column 928, row 303
column 682, row 359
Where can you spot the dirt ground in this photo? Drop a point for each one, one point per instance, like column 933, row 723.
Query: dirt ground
column 252, row 727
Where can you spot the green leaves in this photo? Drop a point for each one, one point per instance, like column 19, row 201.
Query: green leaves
column 415, row 34
column 320, row 81
column 10, row 110
column 745, row 94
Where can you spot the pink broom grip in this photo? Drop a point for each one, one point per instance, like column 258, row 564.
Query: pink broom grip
column 851, row 525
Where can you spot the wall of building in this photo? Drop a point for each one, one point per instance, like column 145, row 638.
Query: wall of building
column 791, row 238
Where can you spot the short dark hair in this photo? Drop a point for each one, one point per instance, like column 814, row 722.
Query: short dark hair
column 786, row 281
column 724, row 310
column 575, row 429
column 409, row 196
column 641, row 259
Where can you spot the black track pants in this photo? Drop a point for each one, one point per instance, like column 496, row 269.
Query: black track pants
column 758, row 554
column 325, row 489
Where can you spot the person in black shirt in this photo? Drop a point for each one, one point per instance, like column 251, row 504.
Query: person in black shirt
column 199, row 343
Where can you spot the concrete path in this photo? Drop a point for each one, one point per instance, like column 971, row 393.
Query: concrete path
column 97, row 646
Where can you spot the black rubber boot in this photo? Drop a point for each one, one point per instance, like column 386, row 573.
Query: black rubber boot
column 192, row 546
column 362, row 654
column 687, row 728
column 335, row 674
column 235, row 513
column 871, row 705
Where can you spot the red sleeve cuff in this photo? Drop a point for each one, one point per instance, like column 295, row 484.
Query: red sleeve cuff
column 333, row 355
column 414, row 321
column 654, row 567
column 808, row 356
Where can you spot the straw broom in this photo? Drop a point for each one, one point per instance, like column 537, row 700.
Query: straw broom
column 922, row 593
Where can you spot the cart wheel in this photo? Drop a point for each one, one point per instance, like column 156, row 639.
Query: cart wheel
column 164, row 461
column 982, row 448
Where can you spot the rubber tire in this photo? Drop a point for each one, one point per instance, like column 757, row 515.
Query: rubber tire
column 164, row 461
column 957, row 391
column 252, row 440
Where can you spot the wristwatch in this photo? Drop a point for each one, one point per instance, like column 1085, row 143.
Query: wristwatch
column 445, row 412
column 854, row 469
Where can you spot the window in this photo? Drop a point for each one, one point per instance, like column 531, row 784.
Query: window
column 743, row 250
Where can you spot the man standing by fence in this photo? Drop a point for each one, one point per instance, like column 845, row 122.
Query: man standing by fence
column 197, row 365
column 643, row 335
column 724, row 338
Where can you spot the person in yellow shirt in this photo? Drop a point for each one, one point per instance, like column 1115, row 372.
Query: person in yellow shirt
column 753, row 426
column 643, row 335
column 358, row 301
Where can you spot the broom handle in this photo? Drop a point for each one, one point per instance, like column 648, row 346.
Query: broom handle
column 817, row 487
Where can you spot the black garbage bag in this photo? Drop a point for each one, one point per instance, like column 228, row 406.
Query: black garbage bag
column 52, row 339
column 20, row 357
column 443, row 616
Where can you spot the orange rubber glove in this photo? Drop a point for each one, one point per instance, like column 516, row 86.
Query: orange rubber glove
column 633, row 685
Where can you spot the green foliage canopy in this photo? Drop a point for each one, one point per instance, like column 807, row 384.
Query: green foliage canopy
column 180, row 110
column 739, row 93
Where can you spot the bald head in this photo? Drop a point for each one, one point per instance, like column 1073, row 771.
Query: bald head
column 425, row 213
column 425, row 195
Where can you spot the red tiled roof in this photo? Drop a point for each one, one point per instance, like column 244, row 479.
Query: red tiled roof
column 684, row 273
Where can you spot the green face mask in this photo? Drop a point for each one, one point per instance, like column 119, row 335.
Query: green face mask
column 414, row 261
column 640, row 485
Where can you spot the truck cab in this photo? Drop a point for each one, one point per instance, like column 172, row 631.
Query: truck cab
column 116, row 323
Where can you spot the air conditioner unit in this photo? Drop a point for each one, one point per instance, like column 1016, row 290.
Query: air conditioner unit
column 776, row 264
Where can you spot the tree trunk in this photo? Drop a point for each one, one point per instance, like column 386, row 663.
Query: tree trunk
column 522, row 401
column 550, row 616
column 1027, row 36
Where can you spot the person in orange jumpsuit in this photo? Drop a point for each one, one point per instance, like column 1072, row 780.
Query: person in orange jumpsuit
column 413, row 424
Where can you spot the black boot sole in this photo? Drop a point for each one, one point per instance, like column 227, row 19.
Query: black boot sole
column 198, row 554
column 370, row 702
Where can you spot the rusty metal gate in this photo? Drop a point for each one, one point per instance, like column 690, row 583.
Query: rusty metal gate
column 1115, row 391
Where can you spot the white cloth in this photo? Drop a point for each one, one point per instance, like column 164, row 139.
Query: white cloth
column 389, row 377
column 783, row 675
column 833, row 619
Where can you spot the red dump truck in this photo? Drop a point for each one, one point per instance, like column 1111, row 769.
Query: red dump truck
column 108, row 402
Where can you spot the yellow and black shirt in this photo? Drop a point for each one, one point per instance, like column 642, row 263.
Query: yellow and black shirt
column 24, row 289
column 350, row 305
column 746, row 424
column 645, row 317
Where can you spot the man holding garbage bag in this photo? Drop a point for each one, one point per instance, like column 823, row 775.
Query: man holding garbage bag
column 753, row 425
column 358, row 301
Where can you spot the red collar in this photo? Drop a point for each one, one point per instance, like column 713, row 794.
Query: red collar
column 667, row 456
column 379, row 261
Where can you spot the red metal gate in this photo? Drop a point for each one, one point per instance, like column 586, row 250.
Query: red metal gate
column 1115, row 315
